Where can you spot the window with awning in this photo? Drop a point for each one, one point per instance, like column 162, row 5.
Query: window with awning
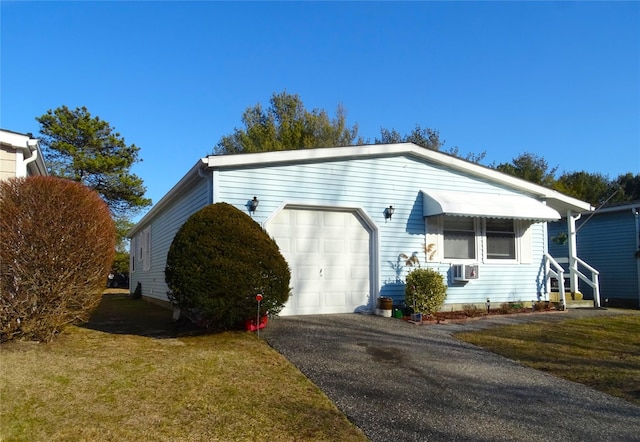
column 480, row 226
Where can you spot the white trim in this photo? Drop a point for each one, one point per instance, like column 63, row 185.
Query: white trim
column 554, row 199
column 23, row 144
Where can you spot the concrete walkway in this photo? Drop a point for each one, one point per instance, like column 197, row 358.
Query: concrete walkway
column 402, row 382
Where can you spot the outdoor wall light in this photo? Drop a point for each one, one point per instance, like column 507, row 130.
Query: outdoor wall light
column 388, row 212
column 253, row 204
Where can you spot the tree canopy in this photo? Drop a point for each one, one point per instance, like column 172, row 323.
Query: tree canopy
column 425, row 137
column 287, row 124
column 87, row 149
column 530, row 167
column 594, row 188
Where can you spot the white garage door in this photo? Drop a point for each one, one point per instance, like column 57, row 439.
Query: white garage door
column 328, row 253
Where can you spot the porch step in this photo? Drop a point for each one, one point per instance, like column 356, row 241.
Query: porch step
column 573, row 299
column 555, row 296
column 577, row 304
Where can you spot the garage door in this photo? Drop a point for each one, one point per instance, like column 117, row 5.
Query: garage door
column 328, row 253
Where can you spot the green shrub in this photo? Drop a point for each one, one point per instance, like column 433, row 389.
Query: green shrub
column 218, row 262
column 426, row 290
column 57, row 244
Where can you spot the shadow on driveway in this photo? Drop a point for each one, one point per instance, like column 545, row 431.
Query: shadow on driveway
column 401, row 382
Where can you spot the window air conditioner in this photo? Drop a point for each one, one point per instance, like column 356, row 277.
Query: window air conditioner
column 464, row 272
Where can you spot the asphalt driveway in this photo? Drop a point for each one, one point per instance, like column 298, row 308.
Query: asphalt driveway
column 402, row 382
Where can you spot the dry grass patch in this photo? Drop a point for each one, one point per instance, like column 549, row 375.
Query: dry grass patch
column 603, row 352
column 91, row 385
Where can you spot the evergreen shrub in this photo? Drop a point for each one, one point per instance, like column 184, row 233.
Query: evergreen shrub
column 426, row 290
column 218, row 262
column 57, row 242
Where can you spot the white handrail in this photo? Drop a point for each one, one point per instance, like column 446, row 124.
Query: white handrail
column 558, row 272
column 591, row 269
column 594, row 283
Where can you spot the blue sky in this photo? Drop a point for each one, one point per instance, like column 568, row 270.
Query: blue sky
column 559, row 79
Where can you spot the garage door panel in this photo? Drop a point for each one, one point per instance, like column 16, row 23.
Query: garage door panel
column 336, row 299
column 358, row 273
column 359, row 245
column 334, row 246
column 308, row 273
column 332, row 219
column 285, row 246
column 308, row 299
column 335, row 273
column 305, row 218
column 306, row 245
column 328, row 253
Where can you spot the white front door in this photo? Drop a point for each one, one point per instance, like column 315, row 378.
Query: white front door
column 328, row 253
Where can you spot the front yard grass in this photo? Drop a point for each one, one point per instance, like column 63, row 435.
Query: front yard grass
column 92, row 384
column 603, row 352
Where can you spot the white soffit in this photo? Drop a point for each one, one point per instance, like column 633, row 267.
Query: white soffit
column 486, row 205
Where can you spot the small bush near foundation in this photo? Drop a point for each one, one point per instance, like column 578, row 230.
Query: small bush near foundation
column 425, row 289
column 472, row 311
column 218, row 262
column 542, row 306
column 57, row 242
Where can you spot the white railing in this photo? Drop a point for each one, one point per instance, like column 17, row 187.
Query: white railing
column 593, row 282
column 558, row 273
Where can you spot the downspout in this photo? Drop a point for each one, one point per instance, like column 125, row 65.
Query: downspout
column 573, row 251
column 32, row 149
column 201, row 174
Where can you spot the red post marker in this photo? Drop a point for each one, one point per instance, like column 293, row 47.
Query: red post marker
column 258, row 297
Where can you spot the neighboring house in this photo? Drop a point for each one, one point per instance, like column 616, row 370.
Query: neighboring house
column 609, row 240
column 342, row 217
column 20, row 156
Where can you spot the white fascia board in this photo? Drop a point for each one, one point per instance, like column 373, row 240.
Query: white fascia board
column 14, row 139
column 555, row 199
column 175, row 191
column 304, row 155
column 621, row 207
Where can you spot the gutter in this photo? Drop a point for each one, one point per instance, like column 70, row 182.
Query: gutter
column 194, row 173
column 32, row 148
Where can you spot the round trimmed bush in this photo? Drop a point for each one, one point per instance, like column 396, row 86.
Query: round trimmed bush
column 218, row 262
column 57, row 242
column 425, row 288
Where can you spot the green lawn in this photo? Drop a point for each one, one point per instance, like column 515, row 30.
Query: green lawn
column 603, row 352
column 94, row 384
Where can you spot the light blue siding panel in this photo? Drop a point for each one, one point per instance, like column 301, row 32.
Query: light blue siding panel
column 164, row 227
column 608, row 243
column 372, row 185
